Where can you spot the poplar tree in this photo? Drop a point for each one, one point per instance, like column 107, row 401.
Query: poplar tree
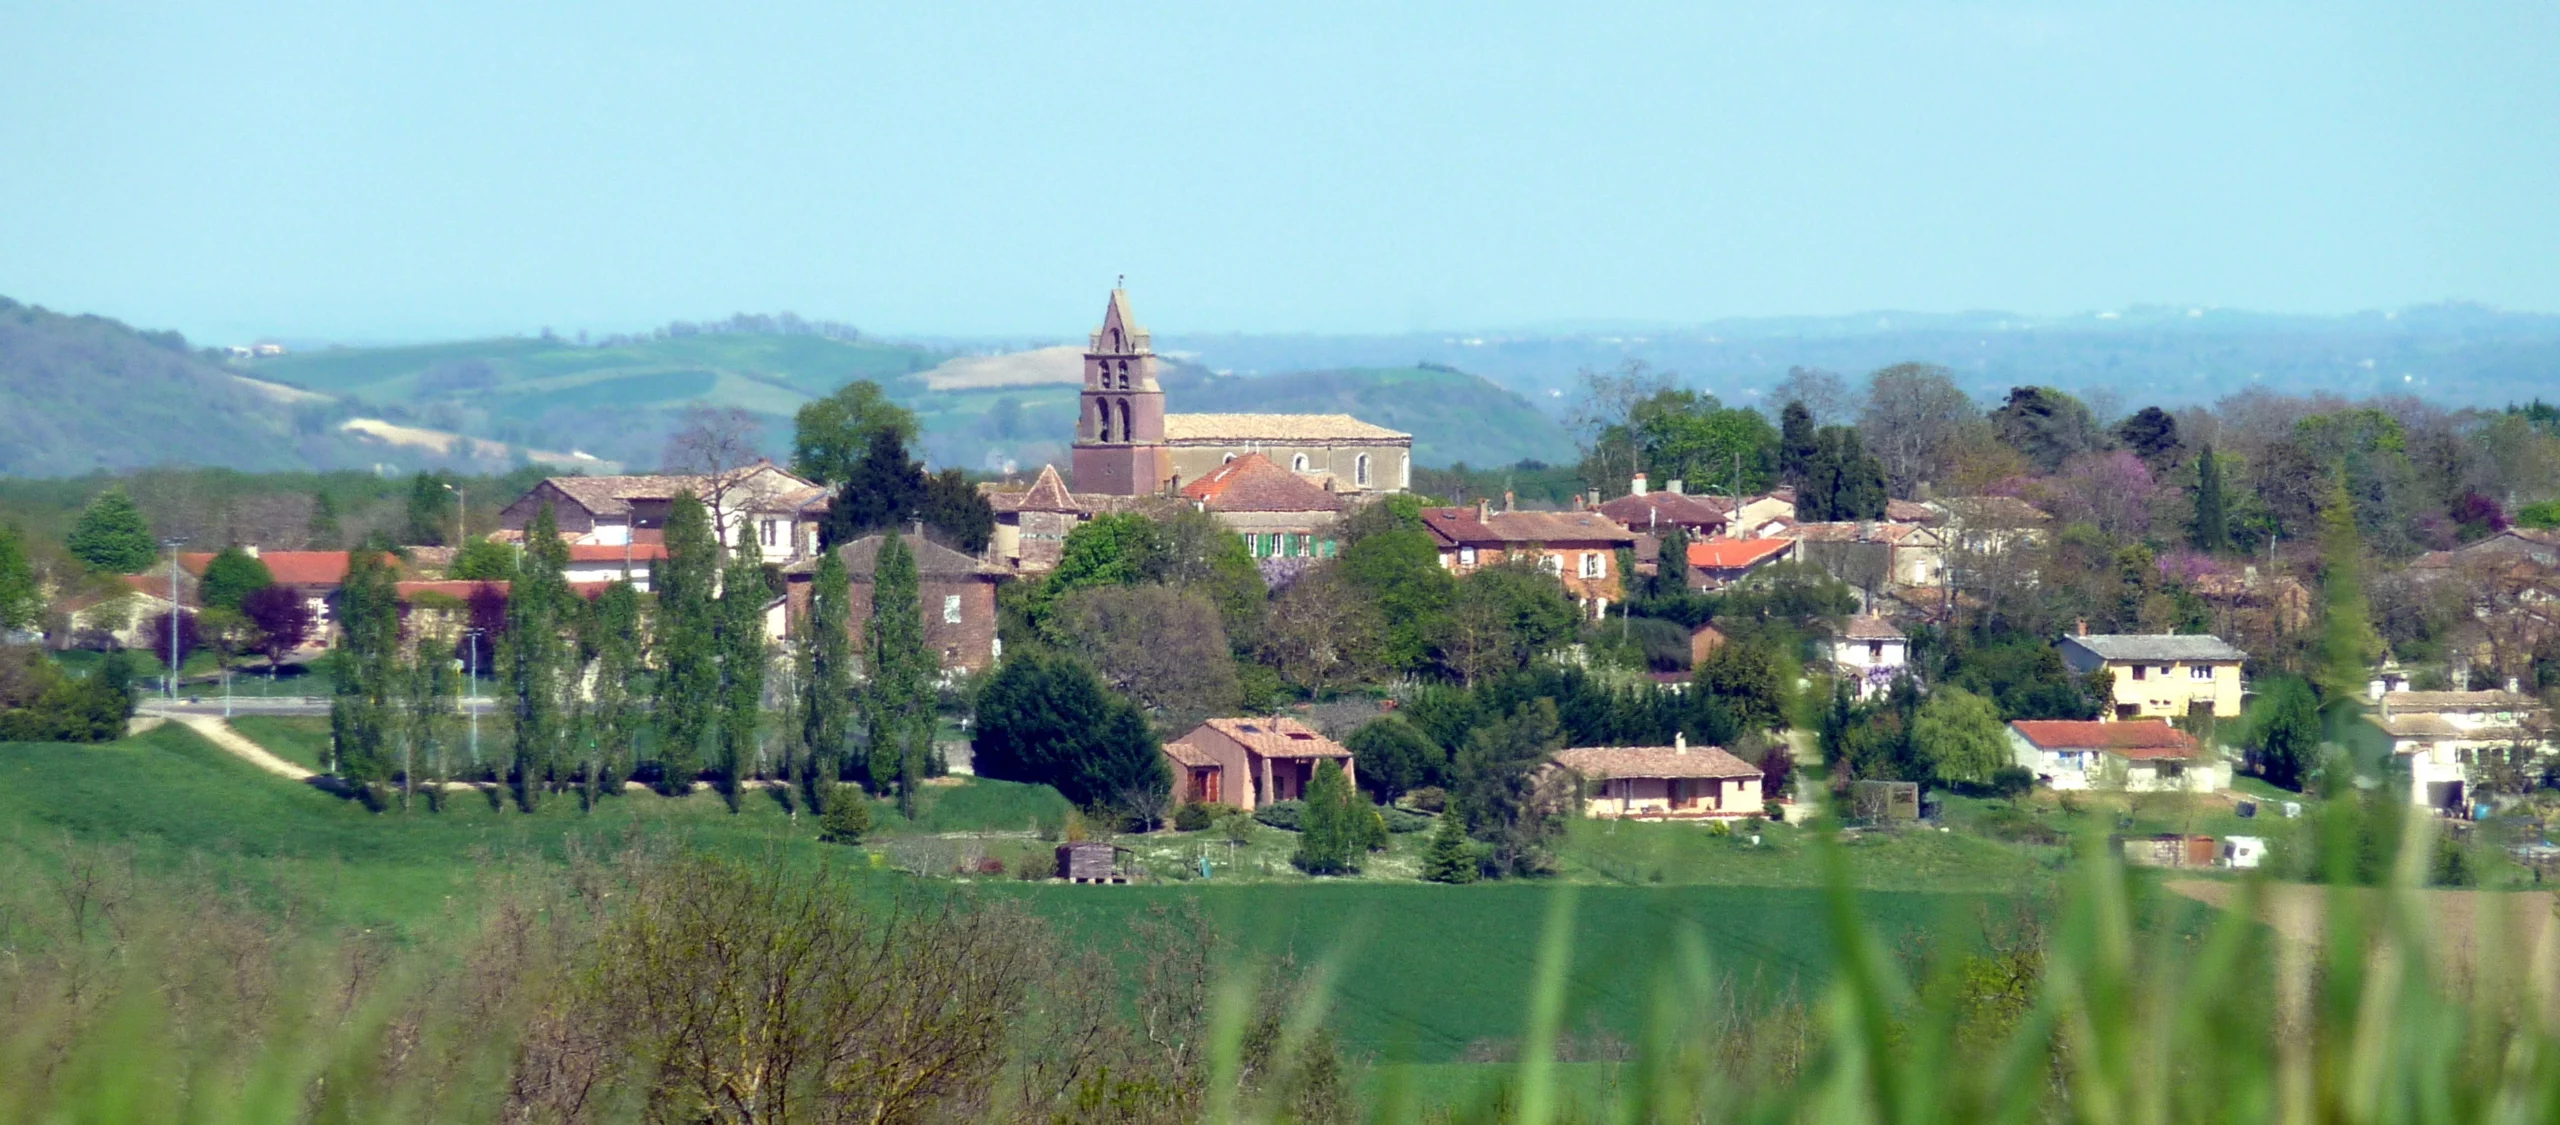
column 534, row 657
column 615, row 639
column 428, row 681
column 2211, row 531
column 368, row 663
column 740, row 630
column 688, row 656
column 826, row 663
column 898, row 697
column 2348, row 643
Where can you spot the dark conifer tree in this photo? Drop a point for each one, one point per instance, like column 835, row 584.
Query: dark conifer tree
column 534, row 658
column 740, row 630
column 898, row 695
column 688, row 655
column 2211, row 531
column 1796, row 448
column 826, row 665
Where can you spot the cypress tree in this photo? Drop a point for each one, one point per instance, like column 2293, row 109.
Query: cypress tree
column 1796, row 446
column 21, row 596
column 534, row 660
column 2348, row 643
column 898, row 698
column 112, row 535
column 688, row 660
column 740, row 631
column 2211, row 532
column 368, row 669
column 617, row 643
column 826, row 661
column 1671, row 565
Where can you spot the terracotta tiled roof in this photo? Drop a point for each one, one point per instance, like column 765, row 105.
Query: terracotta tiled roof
column 1462, row 526
column 1654, row 761
column 1254, row 483
column 1278, row 737
column 1905, row 511
column 614, row 553
column 1212, row 429
column 289, row 568
column 1187, row 754
column 1048, row 493
column 1734, row 554
column 612, row 496
column 933, row 559
column 2132, row 738
column 1868, row 627
column 1660, row 509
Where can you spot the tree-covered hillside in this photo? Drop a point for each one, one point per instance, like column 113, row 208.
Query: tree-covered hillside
column 83, row 393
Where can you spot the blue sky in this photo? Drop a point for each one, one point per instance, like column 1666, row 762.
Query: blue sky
column 374, row 172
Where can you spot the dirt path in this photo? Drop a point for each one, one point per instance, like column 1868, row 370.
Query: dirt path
column 2512, row 930
column 220, row 734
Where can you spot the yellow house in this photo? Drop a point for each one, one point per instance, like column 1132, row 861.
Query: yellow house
column 2161, row 675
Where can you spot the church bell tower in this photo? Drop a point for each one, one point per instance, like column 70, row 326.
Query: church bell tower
column 1120, row 448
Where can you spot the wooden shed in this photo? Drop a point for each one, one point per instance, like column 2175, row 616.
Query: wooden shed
column 1091, row 863
column 1884, row 800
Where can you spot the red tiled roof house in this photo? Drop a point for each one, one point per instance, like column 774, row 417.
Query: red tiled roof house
column 1579, row 548
column 2133, row 755
column 1250, row 762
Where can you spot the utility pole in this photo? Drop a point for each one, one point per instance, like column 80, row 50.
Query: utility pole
column 471, row 692
column 462, row 513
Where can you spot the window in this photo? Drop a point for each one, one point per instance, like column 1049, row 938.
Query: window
column 1552, row 563
column 2200, row 672
column 1227, row 458
column 773, row 533
column 1875, row 652
column 1298, row 464
column 1360, row 471
column 1466, row 556
column 1594, row 564
column 2141, row 671
column 951, row 609
column 1270, row 545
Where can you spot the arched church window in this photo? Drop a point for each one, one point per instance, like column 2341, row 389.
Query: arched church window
column 1360, row 471
column 1115, row 339
column 1127, row 433
column 1101, row 420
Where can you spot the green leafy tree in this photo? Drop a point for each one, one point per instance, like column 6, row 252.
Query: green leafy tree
column 830, row 435
column 2210, row 532
column 1048, row 720
column 1328, row 830
column 1451, row 857
column 112, row 535
column 847, row 818
column 425, row 718
column 897, row 694
column 1399, row 572
column 483, row 560
column 1395, row 757
column 616, row 642
column 688, row 684
column 1960, row 736
column 1742, row 674
column 2282, row 732
column 21, row 596
column 534, row 659
column 1191, row 550
column 231, row 575
column 432, row 509
column 2152, row 434
column 367, row 673
column 2047, row 426
column 741, row 640
column 826, row 665
column 1502, row 617
column 885, row 489
column 1112, row 549
column 1509, row 800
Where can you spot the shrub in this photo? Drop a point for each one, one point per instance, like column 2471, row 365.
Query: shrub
column 1452, row 858
column 1336, row 824
column 1429, row 798
column 1288, row 816
column 1197, row 816
column 1034, row 867
column 848, row 816
column 1400, row 821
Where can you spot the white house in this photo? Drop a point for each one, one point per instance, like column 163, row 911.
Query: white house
column 2132, row 755
column 2438, row 735
column 1870, row 652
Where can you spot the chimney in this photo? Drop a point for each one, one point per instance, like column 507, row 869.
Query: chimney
column 1484, row 509
column 919, row 532
column 2373, row 690
column 1636, row 487
column 2513, row 687
column 1594, row 494
column 1680, row 742
column 2082, row 625
column 1510, row 502
column 251, row 550
column 1673, row 487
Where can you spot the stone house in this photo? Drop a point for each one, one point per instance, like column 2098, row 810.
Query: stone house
column 2135, row 756
column 1280, row 514
column 1648, row 512
column 1032, row 523
column 1250, row 762
column 2161, row 675
column 1675, row 782
column 781, row 511
column 1872, row 555
column 1579, row 548
column 1869, row 652
column 957, row 592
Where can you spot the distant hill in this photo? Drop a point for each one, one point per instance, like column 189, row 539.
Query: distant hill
column 82, row 393
column 1452, row 415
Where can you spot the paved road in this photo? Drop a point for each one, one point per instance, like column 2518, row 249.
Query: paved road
column 268, row 705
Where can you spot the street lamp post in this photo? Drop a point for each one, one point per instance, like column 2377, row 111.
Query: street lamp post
column 169, row 682
column 461, row 513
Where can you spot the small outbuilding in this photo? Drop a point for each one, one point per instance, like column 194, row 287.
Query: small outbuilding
column 1092, row 863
